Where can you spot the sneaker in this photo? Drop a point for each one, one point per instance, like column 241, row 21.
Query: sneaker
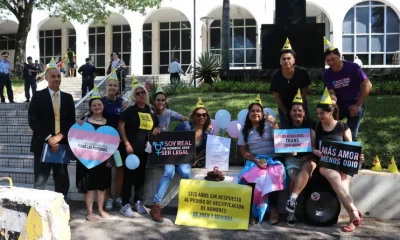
column 127, row 211
column 118, row 203
column 109, row 204
column 138, row 207
column 291, row 205
column 291, row 220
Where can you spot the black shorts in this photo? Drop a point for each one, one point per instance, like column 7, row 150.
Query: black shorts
column 72, row 64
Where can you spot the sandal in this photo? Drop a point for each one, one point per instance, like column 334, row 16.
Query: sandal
column 356, row 222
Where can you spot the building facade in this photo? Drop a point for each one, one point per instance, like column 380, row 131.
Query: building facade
column 147, row 43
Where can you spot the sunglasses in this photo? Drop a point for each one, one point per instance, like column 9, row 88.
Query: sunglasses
column 140, row 93
column 160, row 100
column 199, row 115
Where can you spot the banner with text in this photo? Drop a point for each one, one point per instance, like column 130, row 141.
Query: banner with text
column 213, row 204
column 217, row 154
column 292, row 140
column 344, row 158
column 172, row 148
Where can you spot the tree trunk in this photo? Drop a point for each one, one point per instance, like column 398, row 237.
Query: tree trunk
column 225, row 35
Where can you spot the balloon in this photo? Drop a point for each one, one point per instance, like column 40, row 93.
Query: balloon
column 242, row 116
column 215, row 127
column 223, row 118
column 233, row 129
column 270, row 111
column 132, row 162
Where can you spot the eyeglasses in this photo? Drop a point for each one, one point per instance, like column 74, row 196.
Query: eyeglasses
column 199, row 115
column 160, row 100
column 140, row 93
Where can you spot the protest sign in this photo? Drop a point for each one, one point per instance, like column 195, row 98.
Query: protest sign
column 213, row 204
column 292, row 140
column 172, row 148
column 217, row 154
column 91, row 146
column 342, row 157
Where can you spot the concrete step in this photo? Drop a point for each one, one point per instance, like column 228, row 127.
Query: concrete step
column 16, row 161
column 14, row 120
column 12, row 138
column 23, row 185
column 15, row 148
column 27, row 178
column 14, row 106
column 15, row 129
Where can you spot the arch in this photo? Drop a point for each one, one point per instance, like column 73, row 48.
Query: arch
column 168, row 14
column 386, row 2
column 236, row 12
column 322, row 8
column 8, row 26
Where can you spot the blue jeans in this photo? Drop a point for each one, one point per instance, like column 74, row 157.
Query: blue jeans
column 284, row 124
column 352, row 122
column 184, row 170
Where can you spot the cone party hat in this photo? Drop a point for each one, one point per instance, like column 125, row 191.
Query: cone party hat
column 135, row 82
column 113, row 75
column 95, row 93
column 159, row 89
column 392, row 166
column 326, row 98
column 287, row 45
column 199, row 103
column 377, row 165
column 52, row 64
column 258, row 99
column 298, row 98
column 328, row 45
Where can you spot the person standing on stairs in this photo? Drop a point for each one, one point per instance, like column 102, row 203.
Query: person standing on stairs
column 30, row 71
column 50, row 115
column 5, row 70
column 89, row 73
column 71, row 59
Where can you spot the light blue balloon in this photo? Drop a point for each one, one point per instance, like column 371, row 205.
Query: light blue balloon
column 132, row 162
column 242, row 116
column 270, row 111
column 223, row 118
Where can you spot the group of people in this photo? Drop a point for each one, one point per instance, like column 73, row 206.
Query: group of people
column 52, row 113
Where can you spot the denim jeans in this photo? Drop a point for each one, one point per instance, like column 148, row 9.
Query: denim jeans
column 184, row 170
column 352, row 122
column 284, row 124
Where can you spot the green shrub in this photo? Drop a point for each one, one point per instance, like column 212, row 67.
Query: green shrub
column 207, row 68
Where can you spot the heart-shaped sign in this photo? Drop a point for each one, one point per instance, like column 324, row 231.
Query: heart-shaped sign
column 90, row 146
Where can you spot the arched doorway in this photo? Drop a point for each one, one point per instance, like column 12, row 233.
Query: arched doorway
column 315, row 14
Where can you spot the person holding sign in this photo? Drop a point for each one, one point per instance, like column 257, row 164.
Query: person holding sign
column 286, row 81
column 165, row 116
column 330, row 129
column 134, row 125
column 257, row 138
column 348, row 86
column 97, row 179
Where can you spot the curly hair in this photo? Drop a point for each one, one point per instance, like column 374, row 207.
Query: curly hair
column 248, row 125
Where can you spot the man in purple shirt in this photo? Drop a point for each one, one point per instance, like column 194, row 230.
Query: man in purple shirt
column 348, row 86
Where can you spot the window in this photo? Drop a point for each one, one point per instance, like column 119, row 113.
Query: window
column 122, row 43
column 50, row 45
column 97, row 49
column 147, row 47
column 7, row 41
column 371, row 31
column 176, row 43
column 242, row 44
column 72, row 39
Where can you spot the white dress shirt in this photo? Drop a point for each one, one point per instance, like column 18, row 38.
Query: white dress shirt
column 175, row 67
column 52, row 97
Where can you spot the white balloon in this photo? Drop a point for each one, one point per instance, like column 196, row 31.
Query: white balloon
column 223, row 118
column 270, row 111
column 132, row 162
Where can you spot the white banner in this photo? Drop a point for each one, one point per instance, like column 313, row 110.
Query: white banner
column 217, row 153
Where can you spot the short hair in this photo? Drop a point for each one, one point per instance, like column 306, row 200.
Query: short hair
column 334, row 51
column 175, row 59
column 291, row 51
column 88, row 59
column 29, row 58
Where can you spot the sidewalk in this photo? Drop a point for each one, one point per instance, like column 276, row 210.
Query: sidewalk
column 142, row 227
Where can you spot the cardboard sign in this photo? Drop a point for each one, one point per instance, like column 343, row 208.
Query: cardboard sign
column 217, row 154
column 292, row 140
column 90, row 146
column 172, row 148
column 344, row 158
column 213, row 204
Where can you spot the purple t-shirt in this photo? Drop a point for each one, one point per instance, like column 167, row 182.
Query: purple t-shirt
column 346, row 83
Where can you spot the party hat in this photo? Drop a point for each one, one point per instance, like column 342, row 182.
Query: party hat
column 113, row 75
column 328, row 45
column 52, row 64
column 258, row 99
column 287, row 45
column 377, row 165
column 199, row 103
column 159, row 89
column 135, row 82
column 392, row 166
column 298, row 98
column 95, row 93
column 326, row 98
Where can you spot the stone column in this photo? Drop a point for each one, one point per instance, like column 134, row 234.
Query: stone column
column 155, row 48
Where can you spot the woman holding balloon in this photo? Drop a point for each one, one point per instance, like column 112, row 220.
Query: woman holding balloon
column 134, row 125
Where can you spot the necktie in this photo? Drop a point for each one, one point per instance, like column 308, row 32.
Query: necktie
column 56, row 109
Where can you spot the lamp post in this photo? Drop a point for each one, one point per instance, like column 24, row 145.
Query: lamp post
column 207, row 23
column 194, row 43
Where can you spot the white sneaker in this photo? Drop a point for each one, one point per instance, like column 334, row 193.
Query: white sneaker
column 127, row 211
column 118, row 203
column 109, row 204
column 138, row 207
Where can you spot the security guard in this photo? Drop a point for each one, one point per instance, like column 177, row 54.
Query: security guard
column 5, row 70
column 30, row 71
column 88, row 72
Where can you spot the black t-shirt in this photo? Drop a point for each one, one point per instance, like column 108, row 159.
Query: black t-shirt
column 137, row 126
column 28, row 66
column 287, row 89
column 87, row 70
column 337, row 133
column 306, row 124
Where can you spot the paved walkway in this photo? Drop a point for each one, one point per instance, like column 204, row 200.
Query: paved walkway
column 142, row 227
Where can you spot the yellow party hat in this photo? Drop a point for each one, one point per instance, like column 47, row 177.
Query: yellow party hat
column 377, row 165
column 95, row 93
column 328, row 45
column 392, row 166
column 52, row 64
column 298, row 98
column 113, row 75
column 287, row 45
column 199, row 103
column 258, row 99
column 135, row 82
column 326, row 98
column 159, row 89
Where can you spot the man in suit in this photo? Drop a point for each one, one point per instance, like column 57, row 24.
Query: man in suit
column 51, row 114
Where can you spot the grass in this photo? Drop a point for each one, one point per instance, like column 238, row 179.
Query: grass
column 17, row 87
column 379, row 132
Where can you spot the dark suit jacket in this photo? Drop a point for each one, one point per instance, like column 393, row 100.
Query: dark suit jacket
column 41, row 118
